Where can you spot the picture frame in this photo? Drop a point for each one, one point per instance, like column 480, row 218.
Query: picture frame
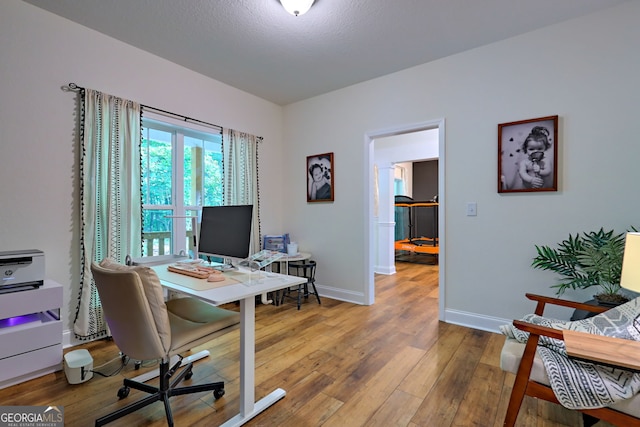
column 528, row 155
column 320, row 173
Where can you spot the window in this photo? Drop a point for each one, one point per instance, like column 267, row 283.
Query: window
column 181, row 172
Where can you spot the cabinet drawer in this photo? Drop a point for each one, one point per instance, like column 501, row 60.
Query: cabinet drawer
column 28, row 333
column 30, row 365
column 46, row 297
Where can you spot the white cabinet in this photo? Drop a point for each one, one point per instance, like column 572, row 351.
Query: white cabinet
column 30, row 333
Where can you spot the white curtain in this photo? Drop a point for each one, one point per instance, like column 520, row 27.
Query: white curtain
column 240, row 166
column 111, row 205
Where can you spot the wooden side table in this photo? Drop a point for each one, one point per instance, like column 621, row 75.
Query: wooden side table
column 616, row 352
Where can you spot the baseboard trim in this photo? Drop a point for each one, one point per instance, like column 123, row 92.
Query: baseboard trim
column 341, row 294
column 386, row 270
column 475, row 321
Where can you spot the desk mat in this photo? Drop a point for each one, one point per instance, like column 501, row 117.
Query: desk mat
column 230, row 278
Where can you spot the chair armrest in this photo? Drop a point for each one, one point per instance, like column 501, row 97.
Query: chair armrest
column 543, row 300
column 538, row 329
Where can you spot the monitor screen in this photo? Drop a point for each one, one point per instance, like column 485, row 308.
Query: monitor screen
column 225, row 231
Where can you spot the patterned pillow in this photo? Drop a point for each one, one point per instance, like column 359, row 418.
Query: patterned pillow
column 634, row 329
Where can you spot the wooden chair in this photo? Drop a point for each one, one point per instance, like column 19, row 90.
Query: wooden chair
column 531, row 377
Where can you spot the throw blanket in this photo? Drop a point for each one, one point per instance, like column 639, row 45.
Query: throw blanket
column 583, row 385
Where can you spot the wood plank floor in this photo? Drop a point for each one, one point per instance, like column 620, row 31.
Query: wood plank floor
column 390, row 364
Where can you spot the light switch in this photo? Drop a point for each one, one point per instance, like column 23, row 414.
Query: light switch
column 472, row 209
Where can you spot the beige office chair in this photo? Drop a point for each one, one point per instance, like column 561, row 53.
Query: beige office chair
column 144, row 327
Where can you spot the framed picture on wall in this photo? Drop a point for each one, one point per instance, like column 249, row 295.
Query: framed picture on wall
column 527, row 155
column 320, row 178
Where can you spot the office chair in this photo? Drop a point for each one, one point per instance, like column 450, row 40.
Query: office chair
column 144, row 327
column 306, row 269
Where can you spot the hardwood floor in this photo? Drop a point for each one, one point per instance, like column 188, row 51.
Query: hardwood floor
column 389, row 364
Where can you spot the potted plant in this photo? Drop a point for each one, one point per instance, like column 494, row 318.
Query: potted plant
column 592, row 259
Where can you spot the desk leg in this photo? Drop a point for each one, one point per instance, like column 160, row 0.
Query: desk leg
column 249, row 409
column 247, row 355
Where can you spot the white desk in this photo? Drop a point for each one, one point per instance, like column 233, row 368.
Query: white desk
column 269, row 282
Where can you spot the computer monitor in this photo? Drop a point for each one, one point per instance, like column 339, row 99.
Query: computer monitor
column 225, row 232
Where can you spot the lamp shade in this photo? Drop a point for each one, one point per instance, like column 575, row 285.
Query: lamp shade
column 630, row 278
column 297, row 7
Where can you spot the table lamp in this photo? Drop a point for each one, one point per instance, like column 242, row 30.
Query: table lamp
column 630, row 277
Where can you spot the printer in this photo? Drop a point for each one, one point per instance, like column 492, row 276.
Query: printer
column 21, row 270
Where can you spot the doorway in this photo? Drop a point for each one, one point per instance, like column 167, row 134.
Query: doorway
column 383, row 144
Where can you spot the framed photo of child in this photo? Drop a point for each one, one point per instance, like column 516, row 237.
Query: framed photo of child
column 527, row 155
column 320, row 178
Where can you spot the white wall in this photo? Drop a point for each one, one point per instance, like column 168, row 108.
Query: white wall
column 585, row 70
column 407, row 168
column 414, row 146
column 41, row 52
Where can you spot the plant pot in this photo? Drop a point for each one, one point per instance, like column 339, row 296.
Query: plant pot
column 610, row 300
column 605, row 300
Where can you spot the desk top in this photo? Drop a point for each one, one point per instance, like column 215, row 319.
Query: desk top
column 244, row 284
column 300, row 256
column 606, row 350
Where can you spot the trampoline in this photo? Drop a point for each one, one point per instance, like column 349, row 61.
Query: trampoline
column 419, row 245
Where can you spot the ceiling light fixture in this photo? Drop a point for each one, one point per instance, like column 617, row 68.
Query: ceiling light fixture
column 297, row 7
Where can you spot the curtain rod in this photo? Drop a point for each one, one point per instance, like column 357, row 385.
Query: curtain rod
column 75, row 87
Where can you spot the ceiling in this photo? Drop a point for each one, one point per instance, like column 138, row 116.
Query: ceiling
column 255, row 46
